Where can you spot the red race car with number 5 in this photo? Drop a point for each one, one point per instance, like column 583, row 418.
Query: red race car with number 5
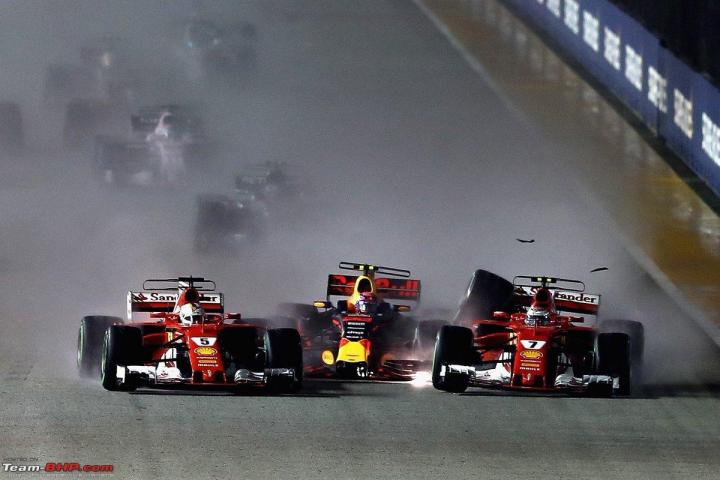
column 186, row 342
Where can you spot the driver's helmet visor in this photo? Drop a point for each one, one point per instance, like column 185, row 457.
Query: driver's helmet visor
column 368, row 307
column 537, row 317
column 196, row 318
column 190, row 314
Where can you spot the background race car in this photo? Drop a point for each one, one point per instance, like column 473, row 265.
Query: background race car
column 95, row 95
column 227, row 222
column 165, row 141
column 266, row 196
column 525, row 335
column 209, row 50
column 272, row 183
column 184, row 341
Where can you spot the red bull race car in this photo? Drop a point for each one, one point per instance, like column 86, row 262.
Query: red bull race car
column 362, row 335
column 186, row 340
column 534, row 341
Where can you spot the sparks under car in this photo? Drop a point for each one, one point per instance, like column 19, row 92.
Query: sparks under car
column 533, row 340
column 186, row 342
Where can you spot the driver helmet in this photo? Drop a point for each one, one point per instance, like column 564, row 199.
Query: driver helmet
column 537, row 315
column 191, row 313
column 367, row 304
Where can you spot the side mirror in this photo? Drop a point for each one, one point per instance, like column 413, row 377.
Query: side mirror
column 322, row 304
column 233, row 316
column 342, row 305
column 501, row 315
column 576, row 319
column 402, row 308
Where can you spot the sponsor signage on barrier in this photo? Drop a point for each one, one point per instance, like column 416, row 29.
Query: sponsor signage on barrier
column 677, row 103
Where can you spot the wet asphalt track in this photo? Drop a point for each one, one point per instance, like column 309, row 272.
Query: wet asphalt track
column 342, row 84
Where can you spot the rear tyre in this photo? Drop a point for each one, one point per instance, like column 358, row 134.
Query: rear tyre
column 11, row 126
column 636, row 332
column 613, row 350
column 83, row 119
column 122, row 346
column 90, row 343
column 240, row 347
column 117, row 161
column 486, row 293
column 284, row 350
column 454, row 345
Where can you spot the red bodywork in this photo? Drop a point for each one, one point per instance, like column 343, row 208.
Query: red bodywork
column 201, row 340
column 163, row 337
column 529, row 353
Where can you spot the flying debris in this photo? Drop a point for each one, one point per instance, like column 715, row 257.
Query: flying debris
column 532, row 240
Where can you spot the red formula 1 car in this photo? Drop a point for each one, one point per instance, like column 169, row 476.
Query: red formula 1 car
column 362, row 335
column 186, row 342
column 532, row 340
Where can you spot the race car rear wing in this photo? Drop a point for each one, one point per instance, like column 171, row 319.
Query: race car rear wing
column 566, row 301
column 389, row 288
column 374, row 269
column 147, row 118
column 171, row 284
column 551, row 283
column 164, row 302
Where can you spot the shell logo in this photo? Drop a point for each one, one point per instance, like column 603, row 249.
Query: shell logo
column 205, row 351
column 531, row 354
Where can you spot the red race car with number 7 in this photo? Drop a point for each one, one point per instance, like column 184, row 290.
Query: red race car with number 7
column 525, row 335
column 184, row 341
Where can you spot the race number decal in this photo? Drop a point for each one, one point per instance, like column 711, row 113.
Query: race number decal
column 532, row 344
column 204, row 341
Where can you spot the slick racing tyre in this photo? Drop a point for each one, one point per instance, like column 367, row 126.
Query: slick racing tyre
column 636, row 332
column 83, row 119
column 613, row 357
column 11, row 127
column 239, row 346
column 122, row 346
column 454, row 345
column 284, row 350
column 486, row 293
column 90, row 342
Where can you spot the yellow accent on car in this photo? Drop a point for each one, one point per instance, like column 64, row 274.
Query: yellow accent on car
column 352, row 352
column 205, row 351
column 531, row 354
column 327, row 357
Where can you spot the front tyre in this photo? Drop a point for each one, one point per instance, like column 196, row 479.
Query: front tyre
column 453, row 345
column 614, row 359
column 284, row 350
column 122, row 346
column 90, row 343
column 636, row 332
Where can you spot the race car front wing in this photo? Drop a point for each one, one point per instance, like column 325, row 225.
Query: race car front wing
column 499, row 377
column 144, row 375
